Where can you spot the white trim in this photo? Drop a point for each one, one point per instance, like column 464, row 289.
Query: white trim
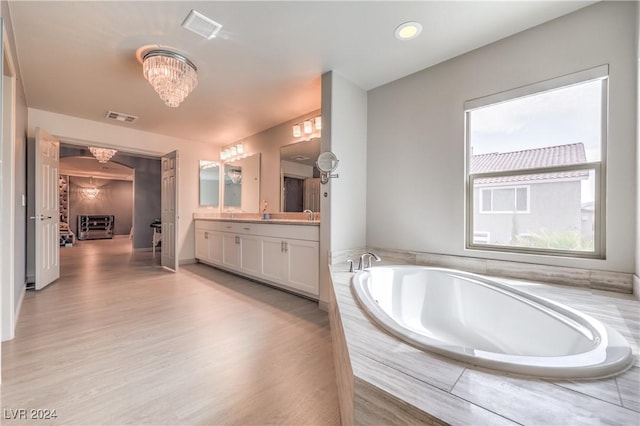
column 8, row 215
column 636, row 287
column 597, row 73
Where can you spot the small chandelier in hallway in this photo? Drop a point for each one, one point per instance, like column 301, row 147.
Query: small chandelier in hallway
column 102, row 154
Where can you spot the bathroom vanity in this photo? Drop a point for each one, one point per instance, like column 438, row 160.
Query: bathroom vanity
column 279, row 252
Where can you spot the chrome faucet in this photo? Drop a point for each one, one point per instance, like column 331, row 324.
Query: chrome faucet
column 309, row 215
column 365, row 260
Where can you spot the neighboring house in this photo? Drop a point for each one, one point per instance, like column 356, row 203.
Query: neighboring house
column 510, row 210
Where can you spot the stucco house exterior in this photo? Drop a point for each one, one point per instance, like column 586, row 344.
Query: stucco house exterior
column 525, row 209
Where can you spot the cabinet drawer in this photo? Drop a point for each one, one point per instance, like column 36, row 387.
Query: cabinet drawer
column 296, row 232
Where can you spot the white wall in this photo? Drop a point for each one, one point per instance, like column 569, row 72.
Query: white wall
column 68, row 128
column 638, row 144
column 415, row 198
column 343, row 212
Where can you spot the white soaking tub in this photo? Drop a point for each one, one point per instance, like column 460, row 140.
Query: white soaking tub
column 487, row 323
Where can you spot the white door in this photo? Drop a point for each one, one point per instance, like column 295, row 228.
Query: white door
column 169, row 214
column 47, row 212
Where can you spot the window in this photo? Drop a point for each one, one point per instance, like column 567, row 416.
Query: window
column 535, row 167
column 505, row 200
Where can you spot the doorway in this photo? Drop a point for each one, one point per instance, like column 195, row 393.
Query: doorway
column 293, row 194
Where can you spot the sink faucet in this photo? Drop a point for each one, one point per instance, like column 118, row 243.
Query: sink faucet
column 309, row 214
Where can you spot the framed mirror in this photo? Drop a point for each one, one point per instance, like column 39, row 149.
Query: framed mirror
column 241, row 189
column 209, row 183
column 299, row 176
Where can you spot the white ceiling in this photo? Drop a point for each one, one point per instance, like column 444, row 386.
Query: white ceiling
column 264, row 68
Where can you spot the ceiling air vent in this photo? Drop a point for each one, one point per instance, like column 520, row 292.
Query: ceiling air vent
column 201, row 25
column 121, row 117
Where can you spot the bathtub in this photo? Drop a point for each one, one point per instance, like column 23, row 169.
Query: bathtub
column 489, row 324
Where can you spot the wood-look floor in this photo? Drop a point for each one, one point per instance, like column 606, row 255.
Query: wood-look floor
column 119, row 340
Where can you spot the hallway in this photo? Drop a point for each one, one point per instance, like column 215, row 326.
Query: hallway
column 119, row 340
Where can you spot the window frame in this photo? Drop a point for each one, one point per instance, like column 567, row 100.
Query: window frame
column 515, row 188
column 599, row 167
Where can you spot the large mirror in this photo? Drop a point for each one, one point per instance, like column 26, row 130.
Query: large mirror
column 209, row 183
column 299, row 176
column 242, row 185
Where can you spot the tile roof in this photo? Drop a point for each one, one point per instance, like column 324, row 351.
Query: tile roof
column 560, row 155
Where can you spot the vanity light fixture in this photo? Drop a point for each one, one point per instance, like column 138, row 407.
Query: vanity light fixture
column 233, row 153
column 408, row 30
column 307, row 127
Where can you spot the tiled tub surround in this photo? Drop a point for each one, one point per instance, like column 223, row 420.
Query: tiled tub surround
column 601, row 280
column 383, row 380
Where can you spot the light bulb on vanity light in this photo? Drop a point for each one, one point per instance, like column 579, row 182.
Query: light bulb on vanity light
column 223, row 155
column 318, row 123
column 240, row 149
column 308, row 129
column 296, row 131
column 233, row 151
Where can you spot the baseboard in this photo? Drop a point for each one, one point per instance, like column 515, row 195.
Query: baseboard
column 636, row 287
column 187, row 261
column 143, row 249
column 323, row 306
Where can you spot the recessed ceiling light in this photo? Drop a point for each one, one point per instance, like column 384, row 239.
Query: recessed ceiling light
column 408, row 30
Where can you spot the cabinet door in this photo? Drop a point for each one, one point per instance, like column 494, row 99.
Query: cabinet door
column 215, row 247
column 250, row 255
column 302, row 265
column 273, row 259
column 230, row 251
column 202, row 244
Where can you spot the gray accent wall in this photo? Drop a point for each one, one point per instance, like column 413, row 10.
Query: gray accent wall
column 115, row 197
column 416, row 140
column 146, row 190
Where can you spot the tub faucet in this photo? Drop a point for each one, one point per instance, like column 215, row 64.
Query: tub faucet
column 365, row 260
column 309, row 215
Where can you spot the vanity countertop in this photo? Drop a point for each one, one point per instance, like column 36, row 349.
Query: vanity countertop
column 256, row 219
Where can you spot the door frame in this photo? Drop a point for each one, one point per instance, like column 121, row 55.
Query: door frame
column 8, row 309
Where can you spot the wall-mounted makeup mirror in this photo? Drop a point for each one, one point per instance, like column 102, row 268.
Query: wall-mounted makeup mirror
column 209, row 183
column 327, row 163
column 299, row 177
column 242, row 185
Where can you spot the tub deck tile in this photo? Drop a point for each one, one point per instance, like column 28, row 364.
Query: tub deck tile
column 605, row 389
column 538, row 402
column 417, row 394
column 629, row 386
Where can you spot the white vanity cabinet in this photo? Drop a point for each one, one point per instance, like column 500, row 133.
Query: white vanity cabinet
column 285, row 255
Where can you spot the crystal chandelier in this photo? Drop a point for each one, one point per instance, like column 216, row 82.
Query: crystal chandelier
column 172, row 75
column 102, row 154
